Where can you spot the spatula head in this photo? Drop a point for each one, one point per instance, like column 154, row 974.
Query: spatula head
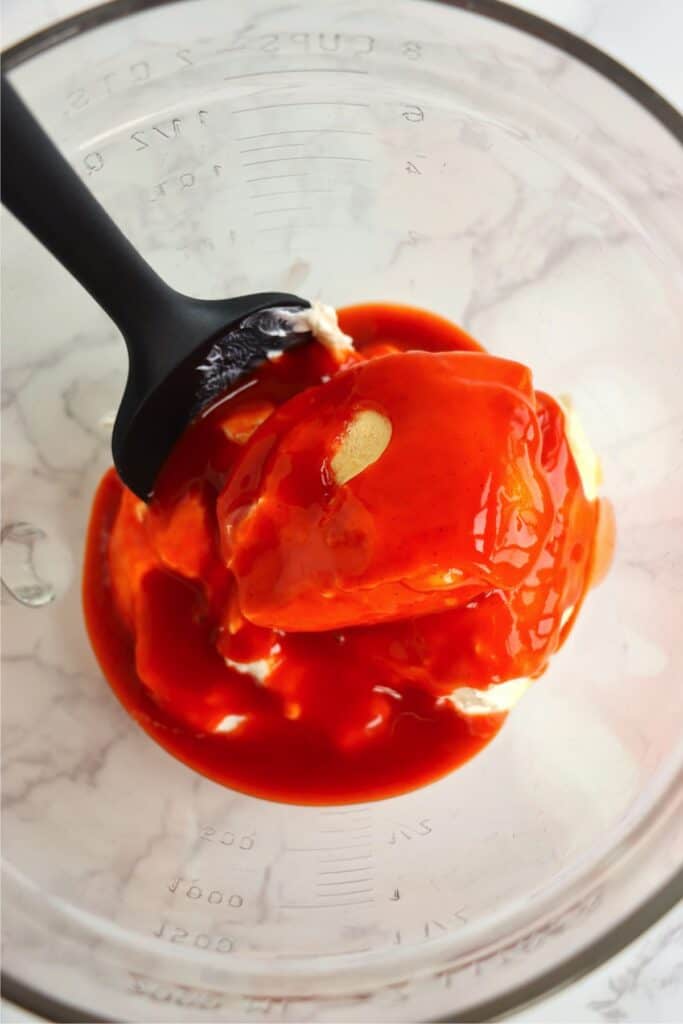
column 162, row 396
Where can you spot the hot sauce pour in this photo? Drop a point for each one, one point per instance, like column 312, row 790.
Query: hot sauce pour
column 302, row 707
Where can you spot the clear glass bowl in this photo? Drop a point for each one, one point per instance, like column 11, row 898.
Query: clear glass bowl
column 463, row 157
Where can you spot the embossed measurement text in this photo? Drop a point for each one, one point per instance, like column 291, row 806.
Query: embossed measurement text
column 179, row 995
column 171, row 933
column 192, row 891
column 245, row 841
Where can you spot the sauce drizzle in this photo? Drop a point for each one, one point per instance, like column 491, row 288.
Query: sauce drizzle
column 458, row 558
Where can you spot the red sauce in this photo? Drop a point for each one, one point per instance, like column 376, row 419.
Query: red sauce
column 458, row 558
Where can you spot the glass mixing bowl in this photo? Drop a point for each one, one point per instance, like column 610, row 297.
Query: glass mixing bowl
column 464, row 157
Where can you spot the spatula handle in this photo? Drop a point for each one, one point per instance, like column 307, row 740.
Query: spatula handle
column 44, row 192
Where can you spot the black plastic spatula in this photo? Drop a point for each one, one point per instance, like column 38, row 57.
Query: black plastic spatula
column 181, row 350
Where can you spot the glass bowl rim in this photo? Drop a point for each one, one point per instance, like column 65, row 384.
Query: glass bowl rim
column 626, row 930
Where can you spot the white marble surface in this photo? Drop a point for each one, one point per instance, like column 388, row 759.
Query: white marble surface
column 645, row 982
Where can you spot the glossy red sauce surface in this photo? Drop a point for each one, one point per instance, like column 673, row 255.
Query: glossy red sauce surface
column 297, row 638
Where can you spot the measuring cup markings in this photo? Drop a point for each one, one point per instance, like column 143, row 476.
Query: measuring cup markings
column 428, row 930
column 283, row 209
column 301, row 131
column 312, row 156
column 409, row 832
column 409, row 112
column 329, row 849
column 183, row 181
column 186, row 996
column 246, row 841
column 334, row 880
column 195, row 892
column 341, row 871
column 140, row 140
column 303, row 41
column 145, row 138
column 308, row 158
column 138, row 74
column 324, row 906
column 93, row 162
column 295, row 192
column 279, row 145
column 345, row 893
column 290, row 227
column 153, row 135
column 345, row 881
column 166, row 132
column 302, row 103
column 429, row 927
column 413, row 112
column 267, row 1006
column 352, row 880
column 275, row 177
column 530, row 941
column 316, row 956
column 353, row 857
column 119, row 80
column 295, row 71
column 200, row 940
column 346, row 831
